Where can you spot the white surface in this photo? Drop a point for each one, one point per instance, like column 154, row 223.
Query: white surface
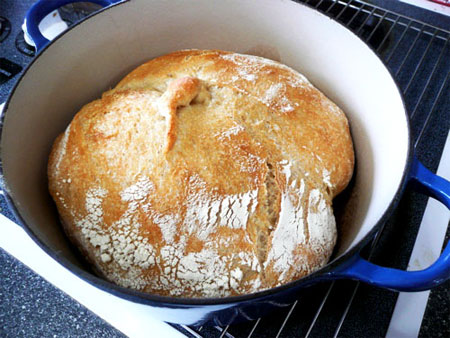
column 410, row 307
column 432, row 6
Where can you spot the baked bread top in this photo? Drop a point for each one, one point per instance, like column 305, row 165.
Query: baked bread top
column 203, row 174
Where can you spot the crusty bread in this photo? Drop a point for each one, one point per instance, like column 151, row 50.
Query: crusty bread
column 203, row 174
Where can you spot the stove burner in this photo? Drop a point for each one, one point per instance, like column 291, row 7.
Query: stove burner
column 5, row 28
column 24, row 47
column 8, row 70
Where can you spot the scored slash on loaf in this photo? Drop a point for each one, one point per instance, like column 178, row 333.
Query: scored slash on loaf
column 203, row 174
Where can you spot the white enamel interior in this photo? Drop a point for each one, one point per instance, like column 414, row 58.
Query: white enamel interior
column 93, row 56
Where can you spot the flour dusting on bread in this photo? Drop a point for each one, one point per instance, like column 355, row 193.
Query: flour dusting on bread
column 203, row 174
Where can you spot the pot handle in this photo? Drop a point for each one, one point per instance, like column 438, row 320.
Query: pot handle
column 44, row 7
column 360, row 269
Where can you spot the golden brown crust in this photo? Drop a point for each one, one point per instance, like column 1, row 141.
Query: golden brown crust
column 179, row 93
column 203, row 173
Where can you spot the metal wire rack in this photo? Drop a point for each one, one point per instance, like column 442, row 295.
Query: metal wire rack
column 418, row 55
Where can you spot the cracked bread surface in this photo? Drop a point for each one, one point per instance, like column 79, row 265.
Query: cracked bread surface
column 203, row 174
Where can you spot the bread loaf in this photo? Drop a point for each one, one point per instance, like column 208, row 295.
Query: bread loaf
column 203, row 174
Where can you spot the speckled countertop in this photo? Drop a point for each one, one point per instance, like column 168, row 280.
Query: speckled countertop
column 31, row 307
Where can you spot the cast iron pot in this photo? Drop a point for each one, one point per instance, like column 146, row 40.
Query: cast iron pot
column 91, row 57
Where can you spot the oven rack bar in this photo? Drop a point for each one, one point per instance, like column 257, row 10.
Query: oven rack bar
column 372, row 9
column 418, row 55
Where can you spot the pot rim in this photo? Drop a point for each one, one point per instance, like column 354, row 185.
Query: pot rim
column 324, row 273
